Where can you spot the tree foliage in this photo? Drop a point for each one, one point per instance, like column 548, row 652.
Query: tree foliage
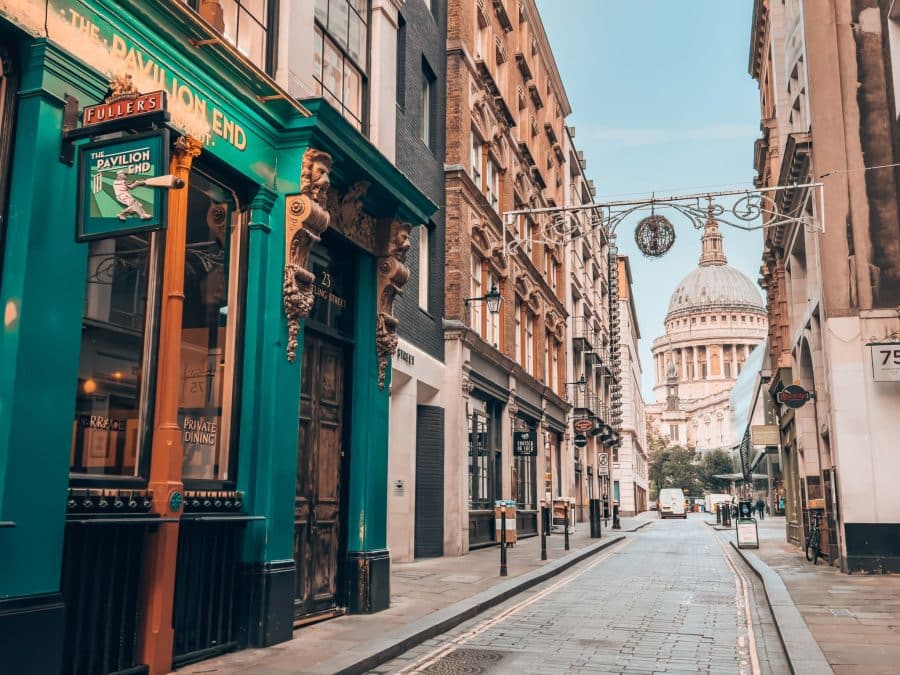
column 674, row 466
column 713, row 463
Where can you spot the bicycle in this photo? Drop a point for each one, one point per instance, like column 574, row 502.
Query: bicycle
column 813, row 542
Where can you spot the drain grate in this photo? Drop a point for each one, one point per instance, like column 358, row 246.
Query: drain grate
column 841, row 612
column 465, row 662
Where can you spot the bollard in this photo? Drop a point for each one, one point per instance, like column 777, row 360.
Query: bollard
column 719, row 514
column 595, row 518
column 503, row 541
column 543, row 533
column 566, row 526
column 616, row 524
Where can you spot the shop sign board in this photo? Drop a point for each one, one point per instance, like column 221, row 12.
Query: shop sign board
column 124, row 109
column 885, row 361
column 747, row 534
column 117, row 193
column 764, row 434
column 113, row 50
column 794, row 396
column 583, row 426
column 524, row 444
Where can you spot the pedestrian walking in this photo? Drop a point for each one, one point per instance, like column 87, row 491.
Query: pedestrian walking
column 761, row 508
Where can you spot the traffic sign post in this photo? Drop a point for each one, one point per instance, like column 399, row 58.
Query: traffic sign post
column 580, row 440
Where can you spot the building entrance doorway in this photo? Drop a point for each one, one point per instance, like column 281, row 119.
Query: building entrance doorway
column 317, row 505
column 323, row 446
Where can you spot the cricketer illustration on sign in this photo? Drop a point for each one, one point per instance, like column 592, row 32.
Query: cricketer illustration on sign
column 123, row 185
column 122, row 188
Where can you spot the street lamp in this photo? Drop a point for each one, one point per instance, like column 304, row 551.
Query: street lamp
column 492, row 299
column 581, row 383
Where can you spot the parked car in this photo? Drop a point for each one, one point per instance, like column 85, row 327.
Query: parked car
column 671, row 503
column 651, row 505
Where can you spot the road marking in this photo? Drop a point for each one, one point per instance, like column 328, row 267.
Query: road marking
column 440, row 652
column 741, row 584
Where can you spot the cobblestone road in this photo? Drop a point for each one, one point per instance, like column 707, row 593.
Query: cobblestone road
column 667, row 600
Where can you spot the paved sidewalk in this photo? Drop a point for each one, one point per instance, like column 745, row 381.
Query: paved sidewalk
column 855, row 619
column 430, row 591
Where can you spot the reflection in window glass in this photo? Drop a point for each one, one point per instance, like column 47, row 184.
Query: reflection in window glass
column 207, row 337
column 243, row 23
column 106, row 433
column 340, row 65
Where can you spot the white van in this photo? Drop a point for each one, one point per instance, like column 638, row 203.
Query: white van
column 671, row 503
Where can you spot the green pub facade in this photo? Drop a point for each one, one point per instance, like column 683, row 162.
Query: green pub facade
column 196, row 344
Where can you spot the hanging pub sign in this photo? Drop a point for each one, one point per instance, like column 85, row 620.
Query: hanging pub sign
column 122, row 185
column 885, row 361
column 524, row 444
column 794, row 396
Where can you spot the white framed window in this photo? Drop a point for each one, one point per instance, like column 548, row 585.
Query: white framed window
column 475, row 160
column 553, row 379
column 492, row 183
column 517, row 338
column 425, row 112
column 529, row 344
column 424, row 269
column 476, row 291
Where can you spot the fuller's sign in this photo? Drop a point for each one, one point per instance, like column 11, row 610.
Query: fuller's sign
column 125, row 108
column 118, row 187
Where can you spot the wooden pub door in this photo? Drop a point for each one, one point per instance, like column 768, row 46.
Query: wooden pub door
column 320, row 452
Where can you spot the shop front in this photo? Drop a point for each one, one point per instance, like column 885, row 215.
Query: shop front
column 485, row 483
column 166, row 354
column 524, row 473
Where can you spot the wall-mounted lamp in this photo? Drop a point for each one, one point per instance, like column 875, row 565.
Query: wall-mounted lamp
column 581, row 384
column 492, row 299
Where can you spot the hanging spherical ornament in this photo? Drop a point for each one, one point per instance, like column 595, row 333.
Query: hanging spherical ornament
column 654, row 236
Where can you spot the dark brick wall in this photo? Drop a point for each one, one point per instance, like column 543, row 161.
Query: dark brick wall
column 423, row 36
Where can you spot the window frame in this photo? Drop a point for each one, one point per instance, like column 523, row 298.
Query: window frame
column 240, row 234
column 270, row 50
column 321, row 31
column 424, row 270
column 148, row 377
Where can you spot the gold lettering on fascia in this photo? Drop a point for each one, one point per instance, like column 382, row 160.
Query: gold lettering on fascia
column 113, row 54
column 329, row 296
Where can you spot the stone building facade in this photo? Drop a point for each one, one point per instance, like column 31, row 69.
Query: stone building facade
column 504, row 372
column 828, row 74
column 716, row 317
column 629, row 461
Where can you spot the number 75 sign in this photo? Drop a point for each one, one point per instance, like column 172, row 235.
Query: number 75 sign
column 885, row 361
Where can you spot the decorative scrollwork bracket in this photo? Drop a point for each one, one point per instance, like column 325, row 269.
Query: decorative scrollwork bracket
column 392, row 275
column 305, row 219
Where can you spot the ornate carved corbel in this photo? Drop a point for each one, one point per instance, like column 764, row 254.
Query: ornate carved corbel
column 392, row 275
column 306, row 218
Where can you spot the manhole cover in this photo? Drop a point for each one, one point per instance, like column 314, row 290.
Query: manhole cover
column 465, row 662
column 841, row 612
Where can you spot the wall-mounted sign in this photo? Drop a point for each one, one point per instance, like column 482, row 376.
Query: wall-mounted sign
column 524, row 444
column 125, row 108
column 117, row 190
column 603, row 464
column 399, row 487
column 583, row 426
column 794, row 396
column 580, row 440
column 764, row 434
column 885, row 361
column 405, row 356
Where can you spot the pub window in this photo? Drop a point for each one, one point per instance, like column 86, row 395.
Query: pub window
column 479, row 462
column 525, row 482
column 340, row 67
column 110, row 436
column 246, row 24
column 212, row 271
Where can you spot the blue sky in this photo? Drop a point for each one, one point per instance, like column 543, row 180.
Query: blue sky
column 661, row 102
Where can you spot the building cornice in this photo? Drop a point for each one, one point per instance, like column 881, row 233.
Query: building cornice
column 540, row 36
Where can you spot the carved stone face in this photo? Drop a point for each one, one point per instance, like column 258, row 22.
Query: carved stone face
column 400, row 244
column 315, row 175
